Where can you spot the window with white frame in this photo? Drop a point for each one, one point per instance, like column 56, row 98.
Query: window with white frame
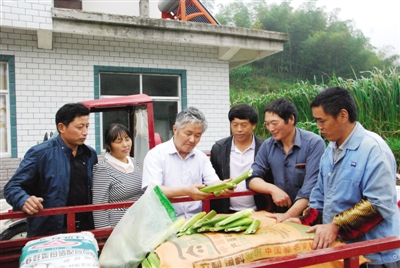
column 164, row 89
column 4, row 124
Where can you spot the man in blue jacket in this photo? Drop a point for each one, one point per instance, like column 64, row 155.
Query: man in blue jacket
column 56, row 173
column 355, row 197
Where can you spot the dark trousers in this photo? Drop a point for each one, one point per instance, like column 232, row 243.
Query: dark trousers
column 83, row 222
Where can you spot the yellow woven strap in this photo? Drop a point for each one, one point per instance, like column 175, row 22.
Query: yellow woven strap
column 311, row 216
column 357, row 220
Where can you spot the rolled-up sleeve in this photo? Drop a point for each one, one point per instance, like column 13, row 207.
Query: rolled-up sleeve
column 377, row 182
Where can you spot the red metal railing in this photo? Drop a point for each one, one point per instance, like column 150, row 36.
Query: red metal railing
column 349, row 253
column 11, row 250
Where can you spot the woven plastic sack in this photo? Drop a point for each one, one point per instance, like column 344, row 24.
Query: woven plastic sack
column 220, row 249
column 143, row 227
column 62, row 250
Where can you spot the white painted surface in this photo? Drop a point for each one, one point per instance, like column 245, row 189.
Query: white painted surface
column 47, row 79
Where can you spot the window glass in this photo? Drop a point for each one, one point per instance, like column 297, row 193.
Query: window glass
column 164, row 118
column 3, row 108
column 119, row 84
column 108, row 118
column 163, row 89
column 3, row 76
column 160, row 85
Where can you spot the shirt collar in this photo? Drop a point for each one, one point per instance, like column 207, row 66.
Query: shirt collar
column 172, row 149
column 79, row 151
column 347, row 140
column 117, row 162
column 251, row 147
column 297, row 139
column 81, row 148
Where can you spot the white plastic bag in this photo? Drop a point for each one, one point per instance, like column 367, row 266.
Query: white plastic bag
column 139, row 230
column 141, row 136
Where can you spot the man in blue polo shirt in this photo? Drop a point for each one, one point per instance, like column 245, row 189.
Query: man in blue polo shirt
column 286, row 166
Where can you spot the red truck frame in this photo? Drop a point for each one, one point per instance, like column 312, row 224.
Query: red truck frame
column 10, row 251
column 128, row 104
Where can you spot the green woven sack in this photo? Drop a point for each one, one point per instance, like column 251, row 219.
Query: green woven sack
column 142, row 228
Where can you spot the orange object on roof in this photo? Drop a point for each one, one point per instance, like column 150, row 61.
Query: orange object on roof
column 186, row 10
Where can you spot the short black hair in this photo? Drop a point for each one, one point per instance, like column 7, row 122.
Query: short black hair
column 243, row 111
column 112, row 132
column 284, row 108
column 333, row 100
column 68, row 112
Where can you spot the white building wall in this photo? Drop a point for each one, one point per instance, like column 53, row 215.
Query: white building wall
column 28, row 14
column 47, row 79
column 121, row 7
column 126, row 7
column 36, row 14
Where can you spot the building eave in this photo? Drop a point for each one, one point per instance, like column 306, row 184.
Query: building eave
column 236, row 45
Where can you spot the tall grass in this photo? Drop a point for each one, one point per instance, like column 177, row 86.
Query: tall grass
column 378, row 101
column 377, row 96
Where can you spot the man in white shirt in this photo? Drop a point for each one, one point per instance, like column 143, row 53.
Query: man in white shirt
column 178, row 168
column 234, row 155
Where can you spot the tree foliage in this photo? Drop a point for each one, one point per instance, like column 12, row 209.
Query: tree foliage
column 237, row 14
column 320, row 43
